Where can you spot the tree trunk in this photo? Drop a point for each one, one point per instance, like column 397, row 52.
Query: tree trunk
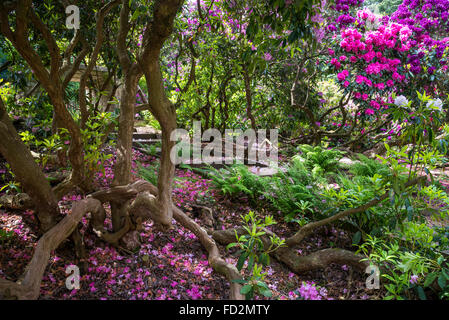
column 159, row 104
column 122, row 168
column 27, row 172
column 50, row 80
column 28, row 286
column 249, row 98
column 76, row 155
column 164, row 111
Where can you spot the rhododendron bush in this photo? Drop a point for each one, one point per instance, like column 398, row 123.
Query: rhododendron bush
column 374, row 57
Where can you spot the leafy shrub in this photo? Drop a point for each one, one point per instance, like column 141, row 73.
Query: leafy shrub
column 150, row 149
column 319, row 160
column 255, row 253
column 406, row 269
column 299, row 172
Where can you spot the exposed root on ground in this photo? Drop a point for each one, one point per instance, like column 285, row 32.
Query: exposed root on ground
column 28, row 286
column 141, row 210
column 144, row 207
column 296, row 263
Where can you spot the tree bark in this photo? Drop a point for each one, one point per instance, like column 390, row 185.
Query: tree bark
column 165, row 113
column 132, row 74
column 50, row 80
column 122, row 168
column 316, row 260
column 249, row 98
column 159, row 104
column 310, row 227
column 27, row 172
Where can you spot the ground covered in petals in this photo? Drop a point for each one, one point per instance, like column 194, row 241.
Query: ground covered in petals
column 171, row 265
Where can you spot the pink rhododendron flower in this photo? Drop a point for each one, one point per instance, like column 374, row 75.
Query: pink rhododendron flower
column 342, row 75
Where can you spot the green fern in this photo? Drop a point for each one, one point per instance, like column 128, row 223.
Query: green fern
column 236, row 180
column 320, row 161
column 295, row 191
column 150, row 173
column 367, row 167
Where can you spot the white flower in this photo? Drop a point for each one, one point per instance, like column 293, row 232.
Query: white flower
column 436, row 104
column 401, row 101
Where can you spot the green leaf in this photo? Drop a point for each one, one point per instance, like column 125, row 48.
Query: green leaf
column 430, row 279
column 356, row 238
column 135, row 15
column 251, row 262
column 262, row 284
column 241, row 261
column 266, row 293
column 246, row 289
column 231, row 245
column 264, row 259
column 445, row 274
column 250, row 294
column 442, row 281
column 421, row 293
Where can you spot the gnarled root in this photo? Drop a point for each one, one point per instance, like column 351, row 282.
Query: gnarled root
column 144, row 207
column 296, row 263
column 28, row 286
column 20, row 201
column 215, row 260
column 113, row 238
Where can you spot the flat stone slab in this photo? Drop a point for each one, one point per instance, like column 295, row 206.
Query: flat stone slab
column 146, row 129
column 147, row 141
column 266, row 171
column 153, row 136
column 222, row 164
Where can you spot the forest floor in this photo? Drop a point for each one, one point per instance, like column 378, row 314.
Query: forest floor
column 171, row 265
